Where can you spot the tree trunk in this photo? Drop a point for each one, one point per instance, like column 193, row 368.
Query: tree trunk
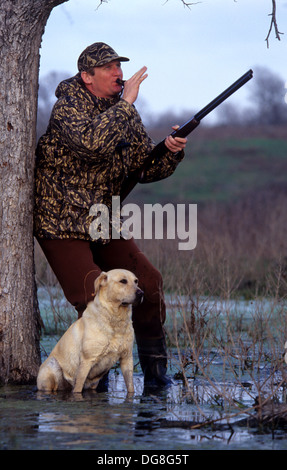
column 22, row 24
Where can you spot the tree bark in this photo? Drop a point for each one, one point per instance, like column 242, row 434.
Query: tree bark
column 22, row 24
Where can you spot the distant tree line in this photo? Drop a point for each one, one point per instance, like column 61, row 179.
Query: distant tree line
column 267, row 102
column 266, row 97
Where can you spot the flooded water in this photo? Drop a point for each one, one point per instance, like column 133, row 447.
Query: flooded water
column 148, row 421
column 109, row 421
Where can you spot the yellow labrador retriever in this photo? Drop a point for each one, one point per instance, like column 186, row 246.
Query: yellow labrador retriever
column 100, row 338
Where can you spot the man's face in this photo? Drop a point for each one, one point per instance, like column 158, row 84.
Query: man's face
column 103, row 83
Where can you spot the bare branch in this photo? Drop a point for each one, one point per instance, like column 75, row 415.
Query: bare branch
column 273, row 24
column 101, row 2
column 188, row 5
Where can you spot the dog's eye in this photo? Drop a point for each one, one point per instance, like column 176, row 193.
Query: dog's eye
column 123, row 281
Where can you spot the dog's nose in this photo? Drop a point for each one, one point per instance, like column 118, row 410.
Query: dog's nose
column 139, row 295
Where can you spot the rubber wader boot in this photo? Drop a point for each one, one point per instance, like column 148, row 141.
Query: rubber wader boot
column 153, row 360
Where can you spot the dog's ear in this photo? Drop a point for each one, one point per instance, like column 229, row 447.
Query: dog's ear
column 100, row 281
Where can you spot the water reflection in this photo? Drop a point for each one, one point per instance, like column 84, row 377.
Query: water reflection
column 110, row 420
column 138, row 422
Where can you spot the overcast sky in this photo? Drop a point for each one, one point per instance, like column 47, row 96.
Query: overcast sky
column 192, row 54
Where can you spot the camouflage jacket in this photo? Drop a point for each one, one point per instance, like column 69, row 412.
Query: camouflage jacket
column 82, row 159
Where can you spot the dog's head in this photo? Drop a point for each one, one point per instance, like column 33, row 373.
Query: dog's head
column 119, row 287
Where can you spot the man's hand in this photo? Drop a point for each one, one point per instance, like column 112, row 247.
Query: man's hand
column 175, row 144
column 132, row 85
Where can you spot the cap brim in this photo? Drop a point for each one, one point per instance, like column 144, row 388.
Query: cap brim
column 122, row 59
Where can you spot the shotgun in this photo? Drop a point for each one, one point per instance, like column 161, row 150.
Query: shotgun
column 160, row 149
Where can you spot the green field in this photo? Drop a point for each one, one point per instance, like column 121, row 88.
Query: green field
column 222, row 169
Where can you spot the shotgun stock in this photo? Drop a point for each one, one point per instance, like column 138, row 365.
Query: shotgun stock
column 160, row 149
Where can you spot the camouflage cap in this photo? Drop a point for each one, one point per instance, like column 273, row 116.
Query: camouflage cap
column 97, row 54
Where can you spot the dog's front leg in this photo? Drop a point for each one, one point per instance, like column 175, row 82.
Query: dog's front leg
column 127, row 366
column 81, row 376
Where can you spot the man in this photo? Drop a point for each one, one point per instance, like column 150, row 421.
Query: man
column 95, row 137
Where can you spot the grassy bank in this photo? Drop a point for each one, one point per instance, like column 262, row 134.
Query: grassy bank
column 238, row 179
column 223, row 165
